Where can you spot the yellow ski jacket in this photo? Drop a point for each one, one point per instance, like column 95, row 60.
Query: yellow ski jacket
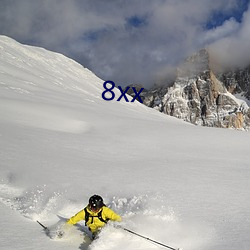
column 94, row 223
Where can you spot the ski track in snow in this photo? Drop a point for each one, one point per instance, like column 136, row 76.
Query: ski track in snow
column 43, row 117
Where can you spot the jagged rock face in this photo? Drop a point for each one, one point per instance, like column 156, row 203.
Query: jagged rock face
column 237, row 81
column 197, row 96
column 138, row 88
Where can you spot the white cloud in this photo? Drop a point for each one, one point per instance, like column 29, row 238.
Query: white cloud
column 228, row 28
column 97, row 33
column 233, row 50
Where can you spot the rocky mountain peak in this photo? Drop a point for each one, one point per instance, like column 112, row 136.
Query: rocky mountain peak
column 196, row 64
column 201, row 97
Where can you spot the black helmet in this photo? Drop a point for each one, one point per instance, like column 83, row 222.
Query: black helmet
column 96, row 202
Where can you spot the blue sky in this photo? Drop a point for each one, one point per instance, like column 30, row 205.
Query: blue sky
column 131, row 41
column 218, row 17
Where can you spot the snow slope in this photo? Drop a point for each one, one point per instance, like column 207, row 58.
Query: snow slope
column 60, row 142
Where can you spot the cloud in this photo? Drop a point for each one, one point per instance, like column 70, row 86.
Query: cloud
column 228, row 28
column 232, row 50
column 125, row 41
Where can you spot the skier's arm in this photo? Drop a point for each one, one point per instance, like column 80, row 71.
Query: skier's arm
column 110, row 214
column 77, row 217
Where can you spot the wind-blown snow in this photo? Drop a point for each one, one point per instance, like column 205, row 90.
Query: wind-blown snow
column 179, row 184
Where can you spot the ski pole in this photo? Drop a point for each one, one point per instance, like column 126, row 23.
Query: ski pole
column 146, row 238
column 45, row 228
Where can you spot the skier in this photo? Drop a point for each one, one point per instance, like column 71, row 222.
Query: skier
column 95, row 214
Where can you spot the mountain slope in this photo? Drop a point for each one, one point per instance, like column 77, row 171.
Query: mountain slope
column 182, row 185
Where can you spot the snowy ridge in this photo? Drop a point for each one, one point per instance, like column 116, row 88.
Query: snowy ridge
column 60, row 142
